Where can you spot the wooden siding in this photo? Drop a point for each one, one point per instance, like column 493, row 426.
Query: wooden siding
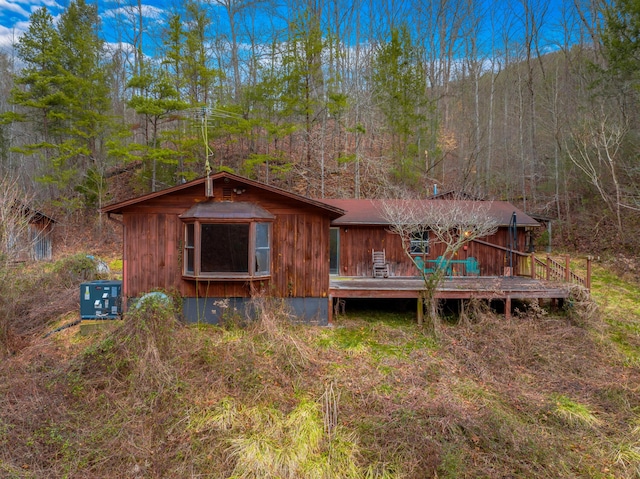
column 300, row 260
column 34, row 243
column 153, row 247
column 357, row 243
column 41, row 240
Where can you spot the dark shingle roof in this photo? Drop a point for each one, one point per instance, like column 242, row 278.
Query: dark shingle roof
column 370, row 212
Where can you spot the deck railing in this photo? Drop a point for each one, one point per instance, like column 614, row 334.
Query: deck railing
column 548, row 269
column 554, row 270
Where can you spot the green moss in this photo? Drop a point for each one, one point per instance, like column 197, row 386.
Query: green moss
column 572, row 412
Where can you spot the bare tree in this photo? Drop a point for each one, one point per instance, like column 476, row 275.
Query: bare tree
column 16, row 240
column 595, row 150
column 452, row 223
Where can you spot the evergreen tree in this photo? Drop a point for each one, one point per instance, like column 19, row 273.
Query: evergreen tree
column 86, row 89
column 269, row 126
column 174, row 59
column 158, row 103
column 303, row 79
column 621, row 38
column 38, row 86
column 198, row 73
column 185, row 135
column 399, row 87
column 62, row 94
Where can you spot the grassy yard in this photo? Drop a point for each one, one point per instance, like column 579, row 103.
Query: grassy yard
column 542, row 395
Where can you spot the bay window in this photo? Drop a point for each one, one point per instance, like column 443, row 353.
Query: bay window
column 225, row 240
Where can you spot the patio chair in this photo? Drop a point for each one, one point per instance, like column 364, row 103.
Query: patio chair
column 473, row 268
column 380, row 265
column 419, row 262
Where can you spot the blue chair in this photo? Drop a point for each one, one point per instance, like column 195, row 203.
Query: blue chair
column 419, row 262
column 442, row 263
column 472, row 266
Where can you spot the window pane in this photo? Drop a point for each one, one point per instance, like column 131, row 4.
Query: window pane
column 189, row 254
column 189, row 235
column 263, row 250
column 420, row 243
column 262, row 235
column 224, row 248
column 189, row 248
column 262, row 261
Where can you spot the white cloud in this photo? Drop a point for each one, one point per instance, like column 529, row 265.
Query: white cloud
column 10, row 35
column 148, row 11
column 11, row 6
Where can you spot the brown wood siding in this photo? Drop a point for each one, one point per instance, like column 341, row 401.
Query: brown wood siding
column 300, row 257
column 357, row 242
column 35, row 243
column 153, row 248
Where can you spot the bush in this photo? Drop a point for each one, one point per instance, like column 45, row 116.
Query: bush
column 140, row 351
column 78, row 268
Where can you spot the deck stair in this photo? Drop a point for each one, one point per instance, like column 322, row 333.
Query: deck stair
column 553, row 270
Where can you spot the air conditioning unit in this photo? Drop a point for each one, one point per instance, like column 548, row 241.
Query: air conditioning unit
column 101, row 299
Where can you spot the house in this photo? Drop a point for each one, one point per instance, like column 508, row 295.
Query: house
column 217, row 241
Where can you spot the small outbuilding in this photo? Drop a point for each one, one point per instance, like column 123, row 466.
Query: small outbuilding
column 30, row 238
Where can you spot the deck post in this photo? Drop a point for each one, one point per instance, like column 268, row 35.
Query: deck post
column 330, row 312
column 567, row 269
column 420, row 309
column 548, row 268
column 533, row 266
column 507, row 308
column 588, row 273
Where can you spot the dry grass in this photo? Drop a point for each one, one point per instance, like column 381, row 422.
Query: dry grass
column 543, row 395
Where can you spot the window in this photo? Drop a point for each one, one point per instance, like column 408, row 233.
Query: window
column 227, row 242
column 334, row 250
column 420, row 243
column 189, row 248
column 224, row 248
column 263, row 247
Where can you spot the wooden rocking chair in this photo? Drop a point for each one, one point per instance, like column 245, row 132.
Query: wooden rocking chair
column 380, row 265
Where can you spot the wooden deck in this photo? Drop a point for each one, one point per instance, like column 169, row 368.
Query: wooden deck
column 459, row 287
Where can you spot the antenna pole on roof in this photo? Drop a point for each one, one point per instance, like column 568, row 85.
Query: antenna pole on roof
column 203, row 113
column 208, row 152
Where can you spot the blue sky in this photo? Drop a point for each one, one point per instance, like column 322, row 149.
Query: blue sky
column 14, row 15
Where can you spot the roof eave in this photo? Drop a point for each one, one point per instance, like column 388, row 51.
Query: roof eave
column 116, row 208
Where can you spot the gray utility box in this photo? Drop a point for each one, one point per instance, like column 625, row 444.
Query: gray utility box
column 101, row 299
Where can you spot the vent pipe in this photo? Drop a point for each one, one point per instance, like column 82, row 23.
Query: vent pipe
column 208, row 187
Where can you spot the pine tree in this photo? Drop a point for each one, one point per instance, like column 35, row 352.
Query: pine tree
column 621, row 38
column 38, row 86
column 62, row 94
column 87, row 91
column 399, row 87
column 198, row 73
column 303, row 79
column 158, row 103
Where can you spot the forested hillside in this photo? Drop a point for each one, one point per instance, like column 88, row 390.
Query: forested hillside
column 535, row 102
